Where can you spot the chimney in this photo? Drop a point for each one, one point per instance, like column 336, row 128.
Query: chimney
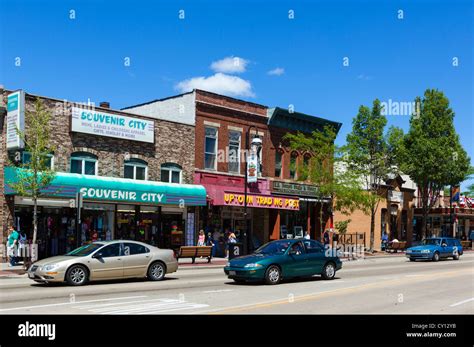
column 104, row 104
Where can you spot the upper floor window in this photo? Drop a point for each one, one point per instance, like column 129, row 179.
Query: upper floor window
column 48, row 159
column 83, row 163
column 135, row 169
column 278, row 163
column 306, row 168
column 210, row 150
column 171, row 173
column 234, row 151
column 293, row 157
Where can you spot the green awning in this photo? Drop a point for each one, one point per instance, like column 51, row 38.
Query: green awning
column 112, row 189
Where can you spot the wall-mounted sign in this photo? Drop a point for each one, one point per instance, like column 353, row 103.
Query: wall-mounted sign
column 96, row 122
column 395, row 196
column 15, row 119
column 261, row 201
column 295, row 188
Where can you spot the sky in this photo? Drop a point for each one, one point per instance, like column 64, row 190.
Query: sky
column 324, row 58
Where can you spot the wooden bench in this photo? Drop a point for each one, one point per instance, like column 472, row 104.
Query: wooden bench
column 466, row 244
column 396, row 246
column 194, row 252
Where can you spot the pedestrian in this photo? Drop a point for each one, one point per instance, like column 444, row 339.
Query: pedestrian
column 231, row 239
column 326, row 237
column 306, row 235
column 22, row 245
column 209, row 241
column 335, row 239
column 12, row 245
column 384, row 240
column 201, row 238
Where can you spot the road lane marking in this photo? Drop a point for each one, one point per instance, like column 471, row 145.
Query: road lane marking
column 69, row 303
column 217, row 291
column 307, row 297
column 461, row 302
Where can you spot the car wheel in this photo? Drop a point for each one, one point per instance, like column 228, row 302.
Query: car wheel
column 329, row 271
column 273, row 275
column 156, row 271
column 77, row 275
column 435, row 256
column 456, row 257
column 412, row 259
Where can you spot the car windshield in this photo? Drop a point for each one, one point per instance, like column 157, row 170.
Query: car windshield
column 85, row 250
column 435, row 242
column 276, row 247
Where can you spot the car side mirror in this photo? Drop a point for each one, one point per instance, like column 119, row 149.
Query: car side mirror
column 98, row 255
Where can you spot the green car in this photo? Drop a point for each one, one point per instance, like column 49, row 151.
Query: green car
column 284, row 259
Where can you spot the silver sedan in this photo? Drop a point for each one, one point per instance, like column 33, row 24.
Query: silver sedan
column 106, row 260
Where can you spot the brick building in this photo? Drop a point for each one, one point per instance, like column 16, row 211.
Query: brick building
column 222, row 125
column 135, row 181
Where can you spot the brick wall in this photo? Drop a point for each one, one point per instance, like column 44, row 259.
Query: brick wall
column 228, row 114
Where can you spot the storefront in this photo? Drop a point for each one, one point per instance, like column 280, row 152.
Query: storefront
column 225, row 209
column 158, row 213
column 294, row 223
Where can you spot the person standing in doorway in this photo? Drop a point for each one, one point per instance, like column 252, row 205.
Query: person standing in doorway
column 215, row 237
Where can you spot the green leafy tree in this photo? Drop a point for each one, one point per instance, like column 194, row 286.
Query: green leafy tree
column 36, row 174
column 323, row 170
column 431, row 153
column 371, row 156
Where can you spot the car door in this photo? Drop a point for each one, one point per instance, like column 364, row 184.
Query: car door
column 452, row 249
column 445, row 250
column 107, row 262
column 297, row 262
column 315, row 256
column 136, row 258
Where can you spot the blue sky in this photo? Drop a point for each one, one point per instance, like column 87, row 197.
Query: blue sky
column 390, row 58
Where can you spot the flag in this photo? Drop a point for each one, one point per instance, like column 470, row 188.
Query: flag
column 456, row 191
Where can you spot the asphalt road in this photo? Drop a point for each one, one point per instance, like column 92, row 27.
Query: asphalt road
column 383, row 285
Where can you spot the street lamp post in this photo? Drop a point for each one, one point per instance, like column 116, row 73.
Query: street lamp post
column 256, row 142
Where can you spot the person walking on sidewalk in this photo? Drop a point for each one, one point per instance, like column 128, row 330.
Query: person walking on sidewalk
column 12, row 245
column 231, row 239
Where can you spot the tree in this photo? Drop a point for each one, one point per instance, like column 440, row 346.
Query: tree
column 36, row 173
column 323, row 170
column 370, row 156
column 469, row 176
column 431, row 153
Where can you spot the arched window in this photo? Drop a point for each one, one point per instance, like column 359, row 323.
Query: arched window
column 278, row 162
column 48, row 159
column 171, row 173
column 83, row 163
column 293, row 158
column 135, row 169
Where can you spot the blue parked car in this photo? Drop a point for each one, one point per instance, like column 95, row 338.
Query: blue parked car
column 436, row 248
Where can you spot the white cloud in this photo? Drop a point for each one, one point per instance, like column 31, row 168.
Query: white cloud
column 230, row 65
column 277, row 71
column 218, row 83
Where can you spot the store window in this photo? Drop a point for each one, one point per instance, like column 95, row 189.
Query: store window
column 135, row 169
column 48, row 159
column 234, row 151
column 294, row 155
column 83, row 163
column 171, row 173
column 210, row 151
column 278, row 163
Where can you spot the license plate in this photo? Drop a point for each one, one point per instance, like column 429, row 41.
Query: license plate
column 31, row 275
column 232, row 273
